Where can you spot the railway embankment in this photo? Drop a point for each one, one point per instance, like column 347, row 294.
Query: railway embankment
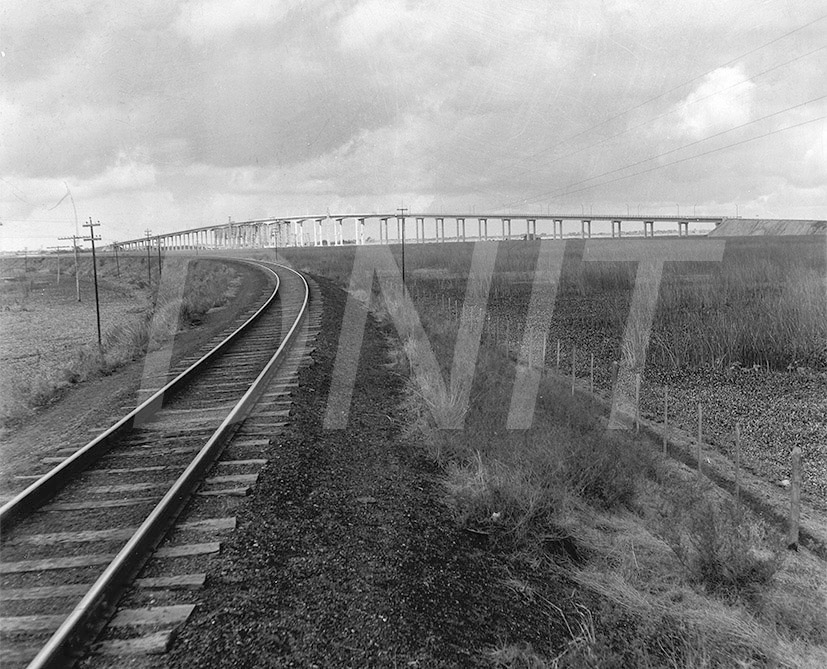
column 346, row 554
column 389, row 543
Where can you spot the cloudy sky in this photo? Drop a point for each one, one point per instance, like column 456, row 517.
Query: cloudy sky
column 175, row 114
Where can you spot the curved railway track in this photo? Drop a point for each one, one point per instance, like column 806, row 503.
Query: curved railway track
column 76, row 538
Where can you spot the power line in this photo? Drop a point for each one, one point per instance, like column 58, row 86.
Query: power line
column 660, row 116
column 698, row 141
column 507, row 164
column 568, row 139
column 675, row 162
column 689, row 81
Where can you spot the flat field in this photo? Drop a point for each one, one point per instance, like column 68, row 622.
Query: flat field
column 44, row 329
column 743, row 332
column 42, row 321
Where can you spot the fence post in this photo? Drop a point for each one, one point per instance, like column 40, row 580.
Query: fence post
column 614, row 373
column 573, row 369
column 795, row 499
column 738, row 467
column 700, row 433
column 637, row 402
column 545, row 341
column 558, row 355
column 591, row 374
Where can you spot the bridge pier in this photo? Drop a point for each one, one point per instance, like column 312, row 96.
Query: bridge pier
column 557, row 222
column 265, row 233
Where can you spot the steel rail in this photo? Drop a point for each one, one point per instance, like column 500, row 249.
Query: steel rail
column 41, row 490
column 84, row 620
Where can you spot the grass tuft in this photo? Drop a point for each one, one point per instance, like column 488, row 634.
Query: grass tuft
column 724, row 548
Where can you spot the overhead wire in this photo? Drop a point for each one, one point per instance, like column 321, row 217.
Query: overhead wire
column 568, row 191
column 673, row 111
column 692, row 80
column 510, row 163
column 703, row 139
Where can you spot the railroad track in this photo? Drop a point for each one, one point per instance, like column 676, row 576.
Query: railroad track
column 127, row 517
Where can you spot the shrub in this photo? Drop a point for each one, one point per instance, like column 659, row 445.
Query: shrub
column 511, row 502
column 724, row 549
column 601, row 470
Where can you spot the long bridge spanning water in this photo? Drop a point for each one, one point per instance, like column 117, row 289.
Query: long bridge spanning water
column 330, row 230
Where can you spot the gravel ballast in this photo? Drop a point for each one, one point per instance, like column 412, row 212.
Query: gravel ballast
column 345, row 554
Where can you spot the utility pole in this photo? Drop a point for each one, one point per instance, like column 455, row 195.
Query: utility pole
column 148, row 232
column 58, row 249
column 75, row 239
column 92, row 238
column 402, row 211
column 159, row 258
column 117, row 263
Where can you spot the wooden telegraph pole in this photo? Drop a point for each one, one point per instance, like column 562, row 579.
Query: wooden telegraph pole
column 92, row 238
column 402, row 211
column 75, row 239
column 117, row 263
column 58, row 249
column 148, row 232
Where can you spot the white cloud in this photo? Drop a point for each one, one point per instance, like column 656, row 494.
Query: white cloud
column 198, row 109
column 125, row 175
column 370, row 21
column 206, row 19
column 720, row 101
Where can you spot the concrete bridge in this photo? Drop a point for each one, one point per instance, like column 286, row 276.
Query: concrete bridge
column 329, row 230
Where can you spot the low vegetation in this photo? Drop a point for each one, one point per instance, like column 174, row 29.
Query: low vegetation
column 689, row 578
column 187, row 291
column 667, row 570
column 763, row 304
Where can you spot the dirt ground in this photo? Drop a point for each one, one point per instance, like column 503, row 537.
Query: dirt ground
column 346, row 555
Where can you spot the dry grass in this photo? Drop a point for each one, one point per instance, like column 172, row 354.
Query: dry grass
column 691, row 580
column 765, row 303
column 672, row 575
